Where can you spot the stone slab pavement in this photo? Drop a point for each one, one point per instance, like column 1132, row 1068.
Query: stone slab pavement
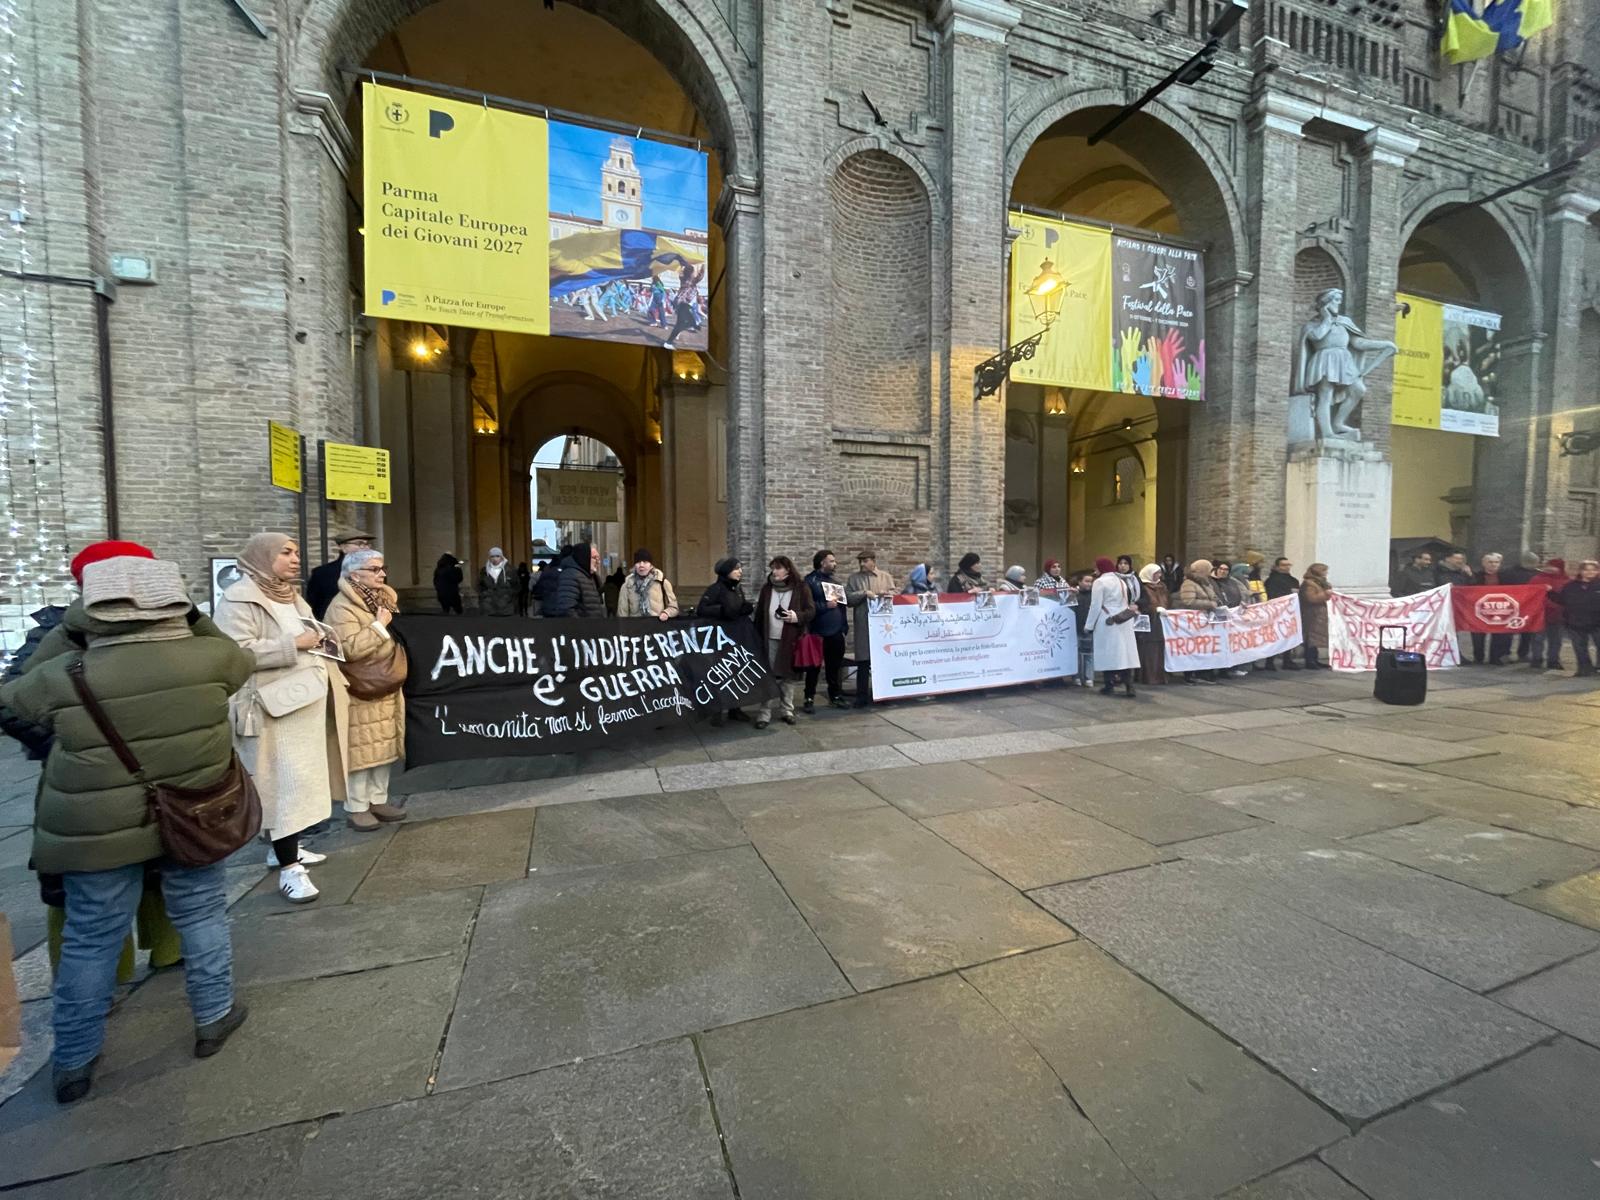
column 1262, row 941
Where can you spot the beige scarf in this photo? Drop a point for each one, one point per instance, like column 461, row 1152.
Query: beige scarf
column 256, row 560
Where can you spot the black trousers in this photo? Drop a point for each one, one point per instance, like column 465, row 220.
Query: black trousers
column 832, row 663
column 287, row 849
column 1582, row 639
column 1499, row 646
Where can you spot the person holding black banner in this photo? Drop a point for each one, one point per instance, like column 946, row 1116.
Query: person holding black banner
column 1110, row 619
column 830, row 624
column 646, row 592
column 577, row 594
column 360, row 615
column 447, row 579
column 784, row 613
column 725, row 600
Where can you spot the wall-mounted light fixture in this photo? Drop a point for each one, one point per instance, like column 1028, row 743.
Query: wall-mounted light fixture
column 1055, row 404
column 1045, row 294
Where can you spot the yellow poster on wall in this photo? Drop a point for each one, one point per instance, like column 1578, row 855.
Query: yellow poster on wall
column 1076, row 352
column 1419, row 364
column 456, row 213
column 283, row 444
column 359, row 473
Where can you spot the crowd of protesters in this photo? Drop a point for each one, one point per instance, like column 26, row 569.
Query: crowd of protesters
column 1571, row 606
column 303, row 691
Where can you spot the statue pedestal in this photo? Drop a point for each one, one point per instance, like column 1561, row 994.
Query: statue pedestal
column 1337, row 512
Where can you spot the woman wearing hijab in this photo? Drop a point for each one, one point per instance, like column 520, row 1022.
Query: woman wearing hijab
column 1314, row 592
column 1111, row 611
column 447, row 579
column 291, row 721
column 1152, row 645
column 360, row 615
column 497, row 586
column 967, row 577
column 1015, row 579
column 1198, row 593
column 918, row 583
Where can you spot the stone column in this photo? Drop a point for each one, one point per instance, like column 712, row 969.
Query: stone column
column 1567, row 235
column 972, row 516
column 1375, row 253
column 739, row 214
column 1239, row 432
column 1503, row 470
column 461, row 445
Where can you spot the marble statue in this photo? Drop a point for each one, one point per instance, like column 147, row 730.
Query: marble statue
column 1332, row 359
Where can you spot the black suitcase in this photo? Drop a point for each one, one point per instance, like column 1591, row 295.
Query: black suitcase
column 1402, row 674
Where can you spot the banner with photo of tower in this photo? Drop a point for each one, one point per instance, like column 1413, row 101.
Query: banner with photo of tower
column 490, row 219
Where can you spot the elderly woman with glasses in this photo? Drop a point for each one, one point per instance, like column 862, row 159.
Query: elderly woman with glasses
column 374, row 668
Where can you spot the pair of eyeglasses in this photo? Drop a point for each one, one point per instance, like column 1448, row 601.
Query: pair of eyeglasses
column 374, row 570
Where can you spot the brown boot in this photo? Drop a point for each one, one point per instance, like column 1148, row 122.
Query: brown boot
column 387, row 812
column 363, row 822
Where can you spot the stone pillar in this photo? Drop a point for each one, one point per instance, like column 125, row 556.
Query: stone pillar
column 1504, row 466
column 1172, row 484
column 791, row 435
column 1375, row 253
column 461, row 446
column 972, row 516
column 1239, row 432
column 1567, row 235
column 739, row 214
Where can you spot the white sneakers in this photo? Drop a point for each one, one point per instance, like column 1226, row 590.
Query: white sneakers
column 294, row 883
column 308, row 858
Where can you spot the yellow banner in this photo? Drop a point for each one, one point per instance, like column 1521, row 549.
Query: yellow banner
column 576, row 495
column 1419, row 365
column 1077, row 351
column 284, row 448
column 457, row 212
column 359, row 473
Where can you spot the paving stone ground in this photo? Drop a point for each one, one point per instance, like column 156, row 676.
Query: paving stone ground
column 1266, row 941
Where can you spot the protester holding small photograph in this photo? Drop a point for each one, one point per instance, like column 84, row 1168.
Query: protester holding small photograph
column 784, row 613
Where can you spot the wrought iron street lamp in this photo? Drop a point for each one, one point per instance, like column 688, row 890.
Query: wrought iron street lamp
column 1045, row 295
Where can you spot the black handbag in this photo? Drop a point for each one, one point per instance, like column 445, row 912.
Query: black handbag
column 197, row 826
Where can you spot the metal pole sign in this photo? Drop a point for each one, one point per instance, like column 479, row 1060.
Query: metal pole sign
column 305, row 558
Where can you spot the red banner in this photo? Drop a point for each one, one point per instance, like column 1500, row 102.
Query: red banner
column 1499, row 608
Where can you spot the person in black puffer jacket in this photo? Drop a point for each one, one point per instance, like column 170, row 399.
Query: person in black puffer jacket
column 35, row 739
column 1580, row 601
column 578, row 595
column 725, row 600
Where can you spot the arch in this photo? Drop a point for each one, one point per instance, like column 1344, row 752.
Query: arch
column 870, row 142
column 1187, row 141
column 617, row 422
column 1500, row 252
column 682, row 34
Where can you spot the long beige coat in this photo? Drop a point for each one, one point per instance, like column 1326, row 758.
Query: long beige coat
column 855, row 595
column 377, row 727
column 662, row 597
column 297, row 761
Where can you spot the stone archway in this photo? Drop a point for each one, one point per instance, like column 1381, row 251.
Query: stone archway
column 1486, row 490
column 689, row 39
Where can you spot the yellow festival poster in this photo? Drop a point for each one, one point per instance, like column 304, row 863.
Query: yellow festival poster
column 456, row 213
column 1419, row 365
column 1076, row 353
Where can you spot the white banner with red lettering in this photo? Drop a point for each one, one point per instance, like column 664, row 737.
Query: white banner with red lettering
column 1354, row 629
column 923, row 645
column 1230, row 637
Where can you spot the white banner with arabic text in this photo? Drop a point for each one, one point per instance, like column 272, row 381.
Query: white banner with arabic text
column 1354, row 629
column 1230, row 637
column 923, row 645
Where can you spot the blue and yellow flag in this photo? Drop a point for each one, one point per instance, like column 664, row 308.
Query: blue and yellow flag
column 1503, row 25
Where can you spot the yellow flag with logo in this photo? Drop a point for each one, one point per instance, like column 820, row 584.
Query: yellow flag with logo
column 457, row 212
column 1076, row 352
column 1419, row 364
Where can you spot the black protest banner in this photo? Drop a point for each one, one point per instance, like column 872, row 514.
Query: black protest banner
column 490, row 687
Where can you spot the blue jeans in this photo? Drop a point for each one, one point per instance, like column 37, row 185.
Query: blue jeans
column 1547, row 645
column 100, row 911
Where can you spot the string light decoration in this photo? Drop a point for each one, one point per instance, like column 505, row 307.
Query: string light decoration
column 33, row 565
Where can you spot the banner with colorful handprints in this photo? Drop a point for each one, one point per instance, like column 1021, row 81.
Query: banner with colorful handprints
column 1158, row 319
column 1132, row 314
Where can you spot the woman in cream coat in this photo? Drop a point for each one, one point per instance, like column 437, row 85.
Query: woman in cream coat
column 290, row 722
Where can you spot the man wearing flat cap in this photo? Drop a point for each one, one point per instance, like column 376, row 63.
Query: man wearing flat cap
column 867, row 582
